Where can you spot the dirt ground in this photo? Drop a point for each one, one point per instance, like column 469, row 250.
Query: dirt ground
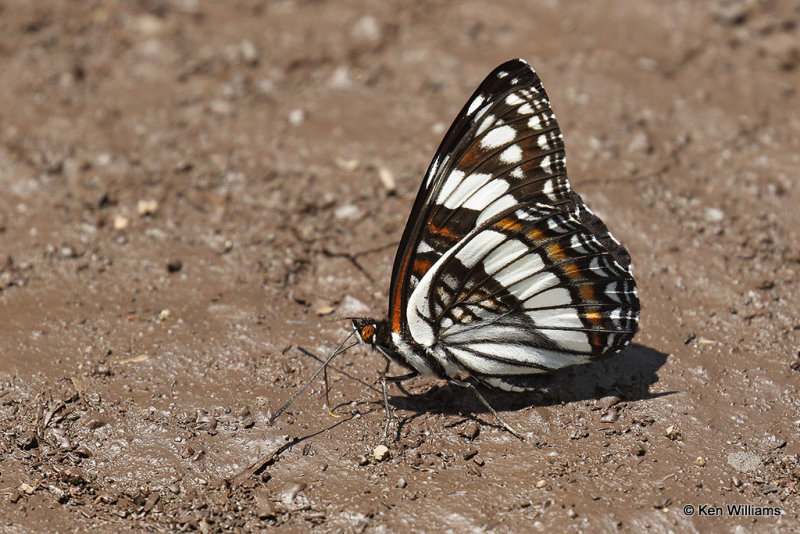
column 178, row 178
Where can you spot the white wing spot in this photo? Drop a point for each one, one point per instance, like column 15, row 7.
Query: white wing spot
column 545, row 164
column 517, row 173
column 512, row 154
column 534, row 123
column 486, row 195
column 542, row 142
column 449, row 185
column 558, row 296
column 525, row 109
column 467, row 187
column 475, row 104
column 485, row 124
column 498, row 137
column 476, row 248
column 497, row 206
column 502, row 74
column 548, row 188
column 513, row 99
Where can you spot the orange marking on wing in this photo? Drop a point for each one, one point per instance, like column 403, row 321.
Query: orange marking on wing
column 508, row 223
column 443, row 231
column 595, row 318
column 587, row 292
column 596, row 340
column 573, row 271
column 471, row 157
column 555, row 252
column 534, row 234
column 421, row 266
column 397, row 312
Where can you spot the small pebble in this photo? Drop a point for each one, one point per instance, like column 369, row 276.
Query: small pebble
column 297, row 116
column 736, row 482
column 381, row 453
column 470, row 452
column 471, row 430
column 292, row 491
column 387, row 179
column 478, row 459
column 27, row 488
column 120, row 222
column 673, row 433
column 610, row 416
column 363, row 460
column 146, row 207
column 401, row 483
column 700, row 461
column 607, row 402
column 264, row 507
column 173, row 266
column 542, row 483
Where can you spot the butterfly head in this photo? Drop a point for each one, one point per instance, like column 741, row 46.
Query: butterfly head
column 368, row 330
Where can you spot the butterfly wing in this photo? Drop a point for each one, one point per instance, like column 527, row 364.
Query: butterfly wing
column 502, row 269
column 504, row 146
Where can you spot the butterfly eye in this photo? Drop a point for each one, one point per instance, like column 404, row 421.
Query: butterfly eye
column 368, row 334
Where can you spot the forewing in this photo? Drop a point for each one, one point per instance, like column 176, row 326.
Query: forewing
column 530, row 290
column 503, row 150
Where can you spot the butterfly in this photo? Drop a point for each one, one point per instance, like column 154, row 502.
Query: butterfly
column 503, row 272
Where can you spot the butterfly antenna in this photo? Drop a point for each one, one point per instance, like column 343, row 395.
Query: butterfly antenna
column 336, row 352
column 322, row 321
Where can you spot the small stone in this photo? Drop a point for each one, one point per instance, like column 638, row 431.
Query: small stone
column 146, row 207
column 387, row 179
column 164, row 314
column 772, row 488
column 292, row 491
column 541, row 483
column 471, row 430
column 28, row 441
column 714, row 215
column 700, row 461
column 607, row 402
column 610, row 416
column 264, row 507
column 325, row 310
column 27, row 488
column 249, row 52
column 662, row 503
column 639, row 450
column 572, row 513
column 381, row 453
column 367, row 30
column 174, row 488
column 737, row 483
column 401, row 483
column 347, row 164
column 120, row 222
column 673, row 433
column 173, row 266
column 470, row 452
column 221, row 107
column 297, row 116
column 349, row 212
column 363, row 460
column 478, row 459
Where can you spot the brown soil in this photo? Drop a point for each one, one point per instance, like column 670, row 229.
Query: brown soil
column 179, row 178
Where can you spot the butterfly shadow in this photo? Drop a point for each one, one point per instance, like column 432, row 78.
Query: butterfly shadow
column 628, row 375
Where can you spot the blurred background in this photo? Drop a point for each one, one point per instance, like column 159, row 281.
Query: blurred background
column 179, row 177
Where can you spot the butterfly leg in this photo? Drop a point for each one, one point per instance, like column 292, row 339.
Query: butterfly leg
column 392, row 379
column 489, row 406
